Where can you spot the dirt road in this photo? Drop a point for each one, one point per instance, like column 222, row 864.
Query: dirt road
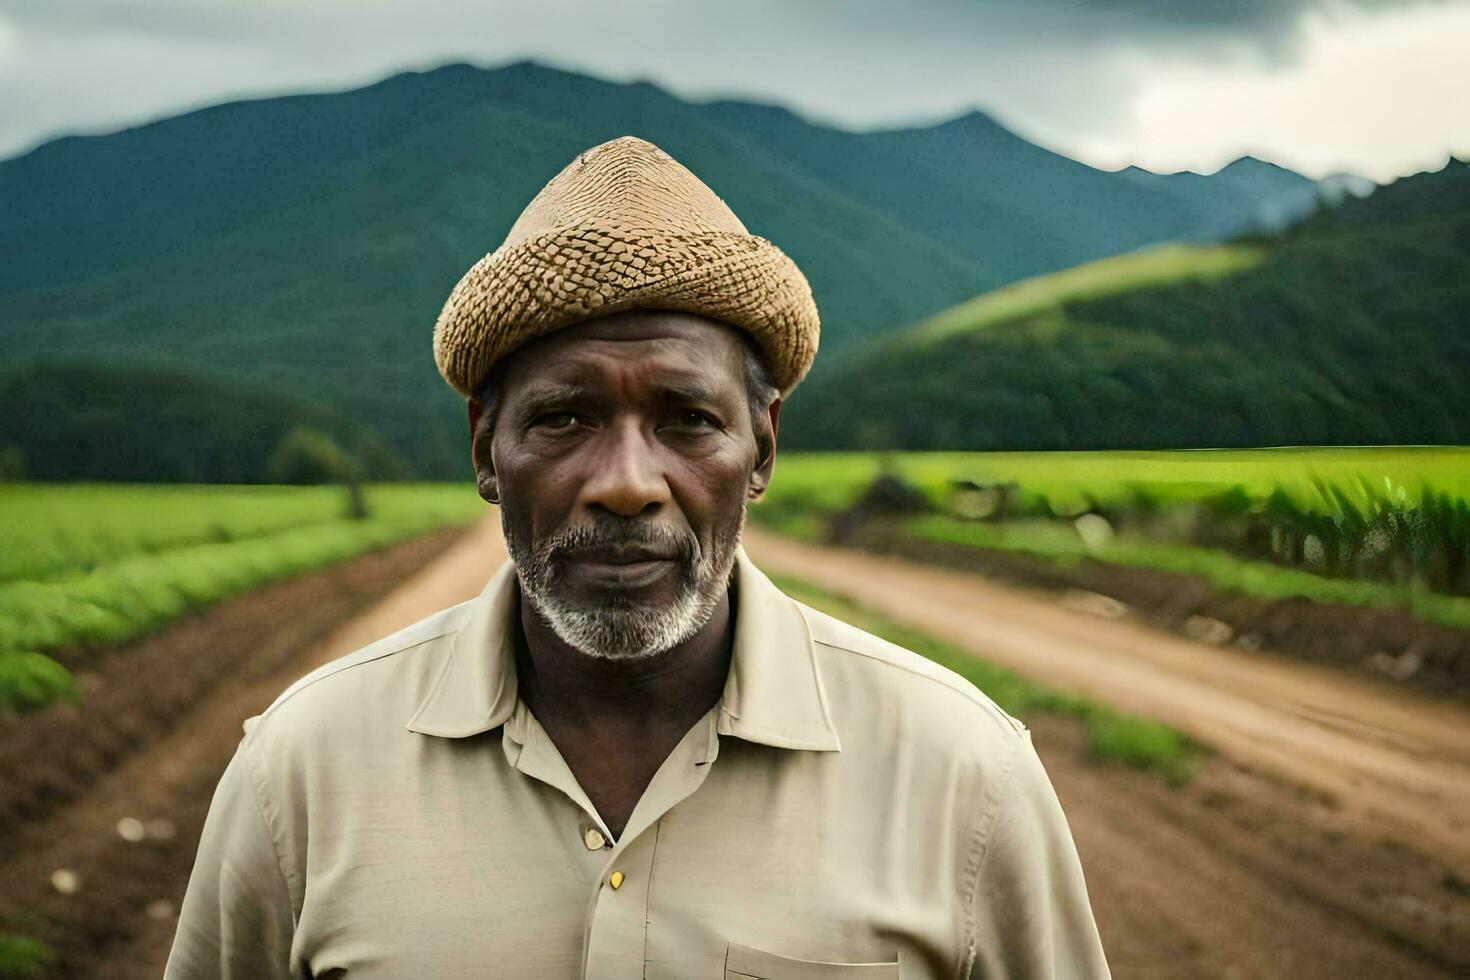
column 1389, row 758
column 1244, row 873
column 1336, row 813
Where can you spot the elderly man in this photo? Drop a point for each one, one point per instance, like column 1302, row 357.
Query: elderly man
column 632, row 755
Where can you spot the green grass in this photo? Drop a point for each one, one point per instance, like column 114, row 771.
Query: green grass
column 827, row 482
column 808, row 489
column 53, row 529
column 132, row 584
column 1060, row 545
column 1157, row 266
column 22, row 956
column 1111, row 735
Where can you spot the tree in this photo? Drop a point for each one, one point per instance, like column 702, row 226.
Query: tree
column 12, row 463
column 306, row 455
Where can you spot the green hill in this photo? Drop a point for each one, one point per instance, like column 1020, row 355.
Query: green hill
column 1348, row 329
column 153, row 421
column 307, row 242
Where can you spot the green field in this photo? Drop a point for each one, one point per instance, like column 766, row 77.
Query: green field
column 1069, row 481
column 53, row 529
column 1416, row 500
column 86, row 567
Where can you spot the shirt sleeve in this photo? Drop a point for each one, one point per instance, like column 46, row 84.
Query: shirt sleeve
column 236, row 920
column 1031, row 914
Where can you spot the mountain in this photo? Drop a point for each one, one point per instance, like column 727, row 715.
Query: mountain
column 1244, row 195
column 1348, row 328
column 1436, row 192
column 1338, row 187
column 1018, row 208
column 307, row 242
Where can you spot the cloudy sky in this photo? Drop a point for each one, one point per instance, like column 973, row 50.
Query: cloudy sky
column 1375, row 87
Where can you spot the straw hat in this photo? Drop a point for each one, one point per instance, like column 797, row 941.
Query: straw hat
column 625, row 225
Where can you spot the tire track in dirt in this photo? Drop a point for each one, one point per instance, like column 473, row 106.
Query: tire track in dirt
column 1325, row 839
column 1238, row 874
column 1233, row 876
column 1395, row 760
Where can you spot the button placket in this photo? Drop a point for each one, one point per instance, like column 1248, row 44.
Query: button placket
column 529, row 749
column 617, row 916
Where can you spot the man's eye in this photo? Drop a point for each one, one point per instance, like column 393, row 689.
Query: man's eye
column 693, row 418
column 556, row 420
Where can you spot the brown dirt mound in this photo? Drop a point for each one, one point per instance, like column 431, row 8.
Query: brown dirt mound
column 131, row 695
column 1389, row 764
column 1242, row 873
column 147, row 746
column 1238, row 875
column 1385, row 643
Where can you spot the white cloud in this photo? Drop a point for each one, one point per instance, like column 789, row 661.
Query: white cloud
column 9, row 39
column 1379, row 98
column 1109, row 80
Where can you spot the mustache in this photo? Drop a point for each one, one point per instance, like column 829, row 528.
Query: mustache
column 621, row 533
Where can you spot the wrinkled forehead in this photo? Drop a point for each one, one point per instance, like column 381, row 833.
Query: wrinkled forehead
column 685, row 354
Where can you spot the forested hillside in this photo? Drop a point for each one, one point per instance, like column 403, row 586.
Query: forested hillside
column 306, row 243
column 156, row 422
column 1351, row 328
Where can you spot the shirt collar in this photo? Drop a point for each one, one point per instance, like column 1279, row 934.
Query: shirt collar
column 773, row 693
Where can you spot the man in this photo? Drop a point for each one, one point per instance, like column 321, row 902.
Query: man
column 632, row 755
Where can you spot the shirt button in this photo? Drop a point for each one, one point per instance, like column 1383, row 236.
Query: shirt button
column 593, row 839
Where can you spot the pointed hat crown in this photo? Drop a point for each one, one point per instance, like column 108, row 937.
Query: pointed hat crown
column 629, row 183
column 625, row 226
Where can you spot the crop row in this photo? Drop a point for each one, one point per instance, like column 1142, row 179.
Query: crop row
column 1379, row 528
column 53, row 624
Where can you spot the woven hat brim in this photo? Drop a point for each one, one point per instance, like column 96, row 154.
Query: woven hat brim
column 516, row 294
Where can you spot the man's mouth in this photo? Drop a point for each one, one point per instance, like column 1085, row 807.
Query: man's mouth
column 623, row 567
column 621, row 555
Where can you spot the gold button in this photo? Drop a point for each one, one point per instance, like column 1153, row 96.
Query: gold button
column 616, row 880
column 594, row 840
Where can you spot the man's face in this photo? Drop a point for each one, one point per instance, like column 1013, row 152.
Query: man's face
column 623, row 454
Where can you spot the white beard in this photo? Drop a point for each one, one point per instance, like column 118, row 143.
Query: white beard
column 620, row 628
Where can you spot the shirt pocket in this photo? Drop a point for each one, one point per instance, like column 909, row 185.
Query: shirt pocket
column 747, row 962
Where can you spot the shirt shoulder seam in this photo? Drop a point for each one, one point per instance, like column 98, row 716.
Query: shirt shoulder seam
column 979, row 850
column 972, row 694
column 315, row 678
column 258, row 790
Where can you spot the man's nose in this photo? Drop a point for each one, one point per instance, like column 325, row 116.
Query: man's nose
column 627, row 477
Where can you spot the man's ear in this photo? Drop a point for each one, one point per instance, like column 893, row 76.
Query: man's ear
column 765, row 442
column 486, row 483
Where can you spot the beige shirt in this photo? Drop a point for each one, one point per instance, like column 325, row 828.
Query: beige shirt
column 848, row 809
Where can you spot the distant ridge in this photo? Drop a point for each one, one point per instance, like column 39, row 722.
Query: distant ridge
column 1348, row 328
column 307, row 241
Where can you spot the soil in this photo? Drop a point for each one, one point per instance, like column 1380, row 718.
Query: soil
column 1251, row 870
column 1346, row 794
column 151, row 741
column 1389, row 644
column 132, row 695
column 1240, row 875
